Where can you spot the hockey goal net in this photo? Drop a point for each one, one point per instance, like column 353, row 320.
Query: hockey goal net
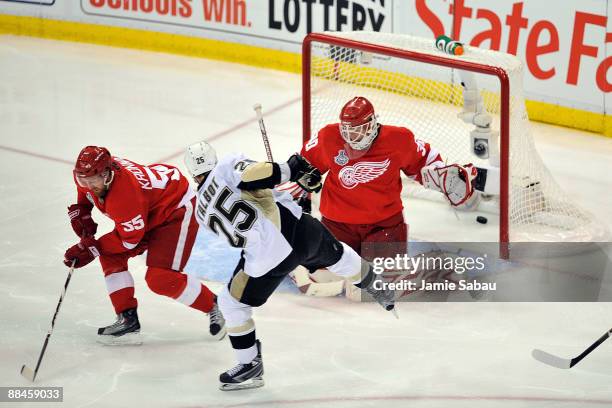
column 414, row 85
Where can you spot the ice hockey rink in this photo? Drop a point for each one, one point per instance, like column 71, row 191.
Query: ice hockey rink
column 56, row 97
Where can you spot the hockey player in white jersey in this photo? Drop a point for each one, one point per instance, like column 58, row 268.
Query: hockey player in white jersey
column 236, row 200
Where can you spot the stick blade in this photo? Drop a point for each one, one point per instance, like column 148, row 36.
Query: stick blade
column 551, row 360
column 28, row 373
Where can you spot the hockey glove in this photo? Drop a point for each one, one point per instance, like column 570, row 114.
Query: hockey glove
column 84, row 252
column 81, row 221
column 456, row 182
column 305, row 174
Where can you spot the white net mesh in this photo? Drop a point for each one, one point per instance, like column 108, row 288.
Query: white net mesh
column 426, row 99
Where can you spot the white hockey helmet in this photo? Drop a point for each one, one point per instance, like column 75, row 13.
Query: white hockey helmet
column 200, row 158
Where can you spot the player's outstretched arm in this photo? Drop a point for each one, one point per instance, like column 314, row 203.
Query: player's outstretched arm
column 258, row 176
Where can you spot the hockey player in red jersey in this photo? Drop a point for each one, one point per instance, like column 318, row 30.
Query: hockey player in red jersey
column 153, row 210
column 363, row 159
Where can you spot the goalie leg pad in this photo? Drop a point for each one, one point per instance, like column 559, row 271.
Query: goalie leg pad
column 310, row 286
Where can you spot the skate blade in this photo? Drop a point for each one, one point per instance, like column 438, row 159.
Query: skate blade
column 255, row 382
column 130, row 339
column 219, row 336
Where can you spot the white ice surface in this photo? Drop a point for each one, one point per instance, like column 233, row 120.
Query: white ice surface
column 56, row 97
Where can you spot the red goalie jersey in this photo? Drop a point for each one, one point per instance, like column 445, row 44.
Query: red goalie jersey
column 140, row 198
column 363, row 187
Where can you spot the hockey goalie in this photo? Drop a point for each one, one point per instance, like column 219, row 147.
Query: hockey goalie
column 363, row 160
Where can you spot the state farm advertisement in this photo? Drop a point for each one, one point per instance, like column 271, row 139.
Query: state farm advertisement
column 283, row 20
column 563, row 46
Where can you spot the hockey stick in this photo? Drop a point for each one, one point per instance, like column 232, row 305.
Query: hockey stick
column 300, row 276
column 566, row 363
column 26, row 371
column 262, row 128
column 264, row 135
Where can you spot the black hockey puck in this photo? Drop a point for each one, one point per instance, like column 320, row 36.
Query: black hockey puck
column 481, row 219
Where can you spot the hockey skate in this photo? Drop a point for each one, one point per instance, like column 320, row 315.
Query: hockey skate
column 244, row 376
column 125, row 331
column 216, row 325
column 384, row 297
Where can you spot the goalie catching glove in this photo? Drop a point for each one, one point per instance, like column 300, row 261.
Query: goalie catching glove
column 456, row 182
column 304, row 174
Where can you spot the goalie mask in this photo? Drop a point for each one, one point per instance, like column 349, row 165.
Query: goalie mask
column 200, row 158
column 358, row 125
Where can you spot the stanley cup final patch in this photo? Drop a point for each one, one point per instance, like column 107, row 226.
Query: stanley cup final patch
column 341, row 159
column 362, row 172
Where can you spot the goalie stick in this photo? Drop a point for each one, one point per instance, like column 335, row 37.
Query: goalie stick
column 301, row 277
column 566, row 363
column 26, row 371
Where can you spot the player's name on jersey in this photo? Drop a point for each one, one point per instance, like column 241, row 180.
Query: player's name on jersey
column 208, row 195
column 428, row 286
column 142, row 179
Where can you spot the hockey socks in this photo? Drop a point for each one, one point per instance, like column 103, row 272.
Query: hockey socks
column 245, row 346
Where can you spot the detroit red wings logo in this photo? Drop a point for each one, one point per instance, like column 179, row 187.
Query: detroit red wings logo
column 362, row 172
